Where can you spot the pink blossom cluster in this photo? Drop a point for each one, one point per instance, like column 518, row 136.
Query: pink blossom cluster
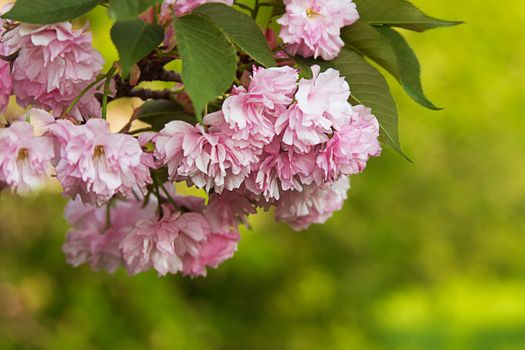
column 278, row 140
column 51, row 65
column 87, row 159
column 127, row 233
column 108, row 176
column 313, row 27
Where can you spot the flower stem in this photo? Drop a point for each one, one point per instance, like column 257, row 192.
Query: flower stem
column 82, row 93
column 107, row 83
column 255, row 11
column 157, row 193
column 244, row 7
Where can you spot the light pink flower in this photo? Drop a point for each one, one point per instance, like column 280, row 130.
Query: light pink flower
column 302, row 131
column 276, row 85
column 281, row 170
column 348, row 151
column 89, row 246
column 94, row 241
column 322, row 105
column 24, row 158
column 55, row 63
column 247, row 118
column 326, row 96
column 315, row 204
column 217, row 248
column 211, row 160
column 228, row 210
column 313, row 27
column 6, row 84
column 251, row 113
column 163, row 244
column 97, row 164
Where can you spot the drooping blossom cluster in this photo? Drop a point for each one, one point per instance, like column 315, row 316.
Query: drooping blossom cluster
column 130, row 234
column 278, row 140
column 313, row 27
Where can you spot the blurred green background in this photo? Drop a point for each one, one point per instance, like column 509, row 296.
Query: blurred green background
column 428, row 255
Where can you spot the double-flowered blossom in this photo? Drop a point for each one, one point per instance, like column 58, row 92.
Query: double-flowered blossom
column 251, row 113
column 97, row 232
column 313, row 27
column 348, row 151
column 96, row 164
column 228, row 210
column 282, row 170
column 322, row 106
column 25, row 159
column 315, row 204
column 309, row 132
column 176, row 243
column 207, row 159
column 54, row 64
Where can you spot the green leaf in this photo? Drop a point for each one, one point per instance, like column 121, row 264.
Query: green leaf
column 369, row 87
column 129, row 9
column 134, row 40
column 398, row 13
column 158, row 113
column 241, row 29
column 409, row 68
column 389, row 49
column 49, row 11
column 208, row 59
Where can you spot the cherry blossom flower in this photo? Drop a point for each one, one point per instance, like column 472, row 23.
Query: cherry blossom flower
column 322, row 106
column 315, row 204
column 93, row 239
column 282, row 170
column 97, row 164
column 313, row 27
column 276, row 85
column 176, row 243
column 348, row 151
column 251, row 113
column 228, row 210
column 210, row 160
column 217, row 248
column 248, row 119
column 24, row 158
column 302, row 131
column 325, row 95
column 54, row 64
